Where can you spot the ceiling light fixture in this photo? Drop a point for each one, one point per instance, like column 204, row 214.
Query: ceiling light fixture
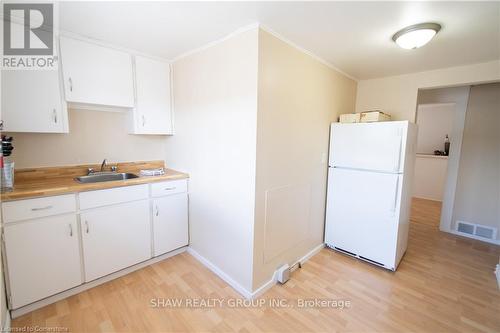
column 415, row 36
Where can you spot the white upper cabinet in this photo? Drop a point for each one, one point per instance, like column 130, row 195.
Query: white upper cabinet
column 89, row 76
column 95, row 74
column 32, row 100
column 153, row 112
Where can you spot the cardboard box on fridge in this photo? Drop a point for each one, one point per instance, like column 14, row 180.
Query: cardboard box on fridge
column 374, row 116
column 350, row 118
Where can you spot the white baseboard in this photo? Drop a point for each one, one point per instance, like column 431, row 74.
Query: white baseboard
column 463, row 234
column 238, row 287
column 497, row 273
column 269, row 284
column 266, row 286
column 220, row 273
column 311, row 253
column 6, row 325
column 78, row 289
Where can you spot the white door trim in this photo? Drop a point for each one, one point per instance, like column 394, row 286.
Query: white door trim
column 446, row 222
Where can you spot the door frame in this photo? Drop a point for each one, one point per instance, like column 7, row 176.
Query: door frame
column 448, row 203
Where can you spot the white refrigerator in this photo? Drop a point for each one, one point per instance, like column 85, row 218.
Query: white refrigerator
column 369, row 190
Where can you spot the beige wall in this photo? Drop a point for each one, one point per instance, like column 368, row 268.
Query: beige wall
column 215, row 101
column 478, row 188
column 435, row 122
column 93, row 136
column 398, row 94
column 252, row 123
column 298, row 99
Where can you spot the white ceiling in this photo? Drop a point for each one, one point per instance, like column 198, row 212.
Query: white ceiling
column 353, row 36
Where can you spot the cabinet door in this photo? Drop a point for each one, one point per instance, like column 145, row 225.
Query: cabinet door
column 170, row 223
column 153, row 113
column 115, row 237
column 31, row 102
column 95, row 74
column 43, row 258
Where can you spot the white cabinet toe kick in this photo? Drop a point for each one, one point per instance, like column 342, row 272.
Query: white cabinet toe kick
column 55, row 247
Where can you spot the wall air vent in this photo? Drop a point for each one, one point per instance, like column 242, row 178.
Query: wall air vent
column 485, row 232
column 477, row 230
column 466, row 228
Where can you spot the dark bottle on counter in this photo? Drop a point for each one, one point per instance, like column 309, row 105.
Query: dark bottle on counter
column 446, row 145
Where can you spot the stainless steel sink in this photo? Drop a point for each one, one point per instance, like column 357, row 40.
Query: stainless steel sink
column 105, row 177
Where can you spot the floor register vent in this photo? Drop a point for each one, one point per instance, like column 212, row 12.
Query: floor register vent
column 477, row 230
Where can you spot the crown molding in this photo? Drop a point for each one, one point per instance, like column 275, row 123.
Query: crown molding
column 305, row 51
column 265, row 28
column 217, row 41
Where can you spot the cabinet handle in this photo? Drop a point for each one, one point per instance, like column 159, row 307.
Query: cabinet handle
column 169, row 188
column 71, row 230
column 143, row 121
column 70, row 84
column 157, row 211
column 41, row 208
column 55, row 115
column 86, row 226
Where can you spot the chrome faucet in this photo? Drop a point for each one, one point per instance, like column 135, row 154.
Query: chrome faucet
column 103, row 165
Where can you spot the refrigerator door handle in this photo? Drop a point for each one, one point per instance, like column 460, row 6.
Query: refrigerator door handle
column 398, row 150
column 394, row 203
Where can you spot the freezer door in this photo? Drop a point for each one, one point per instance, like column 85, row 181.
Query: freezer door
column 361, row 216
column 368, row 146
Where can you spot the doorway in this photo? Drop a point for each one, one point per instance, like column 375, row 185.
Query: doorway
column 465, row 183
column 441, row 117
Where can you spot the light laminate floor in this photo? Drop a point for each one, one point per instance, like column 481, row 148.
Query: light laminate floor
column 444, row 284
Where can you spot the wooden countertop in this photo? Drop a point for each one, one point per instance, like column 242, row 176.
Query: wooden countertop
column 40, row 182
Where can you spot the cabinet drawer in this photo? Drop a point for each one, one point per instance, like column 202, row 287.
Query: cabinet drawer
column 112, row 196
column 40, row 207
column 170, row 187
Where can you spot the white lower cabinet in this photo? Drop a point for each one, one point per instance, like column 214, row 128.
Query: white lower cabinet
column 43, row 257
column 170, row 223
column 115, row 237
column 45, row 243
